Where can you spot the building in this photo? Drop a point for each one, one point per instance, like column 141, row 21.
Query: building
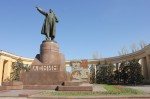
column 6, row 60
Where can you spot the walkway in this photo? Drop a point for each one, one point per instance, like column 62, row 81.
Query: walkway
column 145, row 88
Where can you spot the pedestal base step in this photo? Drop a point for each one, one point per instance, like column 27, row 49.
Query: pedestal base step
column 70, row 83
column 12, row 83
column 40, row 87
column 74, row 88
column 11, row 87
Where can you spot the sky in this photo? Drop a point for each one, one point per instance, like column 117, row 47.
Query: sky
column 85, row 26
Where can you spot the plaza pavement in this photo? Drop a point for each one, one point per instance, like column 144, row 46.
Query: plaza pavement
column 145, row 88
column 31, row 94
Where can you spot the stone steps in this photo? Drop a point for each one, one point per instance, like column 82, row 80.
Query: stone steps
column 40, row 87
column 66, row 86
column 17, row 87
column 69, row 83
column 74, row 86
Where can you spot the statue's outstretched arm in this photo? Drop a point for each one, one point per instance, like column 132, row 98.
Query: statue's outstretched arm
column 42, row 11
column 56, row 19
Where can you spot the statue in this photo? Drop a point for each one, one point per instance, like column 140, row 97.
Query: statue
column 49, row 25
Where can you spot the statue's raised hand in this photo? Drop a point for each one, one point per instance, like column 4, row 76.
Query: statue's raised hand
column 36, row 6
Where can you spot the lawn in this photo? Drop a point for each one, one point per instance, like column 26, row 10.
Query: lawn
column 111, row 90
column 120, row 90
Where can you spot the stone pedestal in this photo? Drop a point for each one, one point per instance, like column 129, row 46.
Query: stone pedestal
column 48, row 67
column 48, row 71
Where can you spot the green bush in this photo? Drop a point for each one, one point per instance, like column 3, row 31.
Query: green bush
column 17, row 68
column 129, row 72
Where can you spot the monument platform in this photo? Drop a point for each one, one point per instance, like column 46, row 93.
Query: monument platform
column 66, row 86
column 48, row 67
column 48, row 71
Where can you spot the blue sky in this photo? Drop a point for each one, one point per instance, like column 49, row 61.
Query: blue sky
column 85, row 26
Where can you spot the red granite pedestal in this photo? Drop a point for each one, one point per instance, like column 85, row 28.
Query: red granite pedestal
column 47, row 69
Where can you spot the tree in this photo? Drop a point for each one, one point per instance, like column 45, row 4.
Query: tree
column 17, row 68
column 96, row 55
column 134, row 48
column 123, row 51
column 135, row 72
column 92, row 74
column 142, row 44
column 129, row 72
column 104, row 73
column 117, row 77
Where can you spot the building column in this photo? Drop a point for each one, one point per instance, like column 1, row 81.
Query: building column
column 117, row 66
column 1, row 70
column 95, row 72
column 7, row 70
column 148, row 66
column 145, row 70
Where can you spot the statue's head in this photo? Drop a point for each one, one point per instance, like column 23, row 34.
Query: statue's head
column 50, row 10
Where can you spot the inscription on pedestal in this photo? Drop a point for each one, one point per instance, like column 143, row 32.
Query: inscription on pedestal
column 45, row 67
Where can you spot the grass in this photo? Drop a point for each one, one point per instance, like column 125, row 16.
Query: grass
column 121, row 90
column 69, row 93
column 111, row 90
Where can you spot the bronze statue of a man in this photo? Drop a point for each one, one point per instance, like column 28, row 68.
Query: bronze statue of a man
column 49, row 25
